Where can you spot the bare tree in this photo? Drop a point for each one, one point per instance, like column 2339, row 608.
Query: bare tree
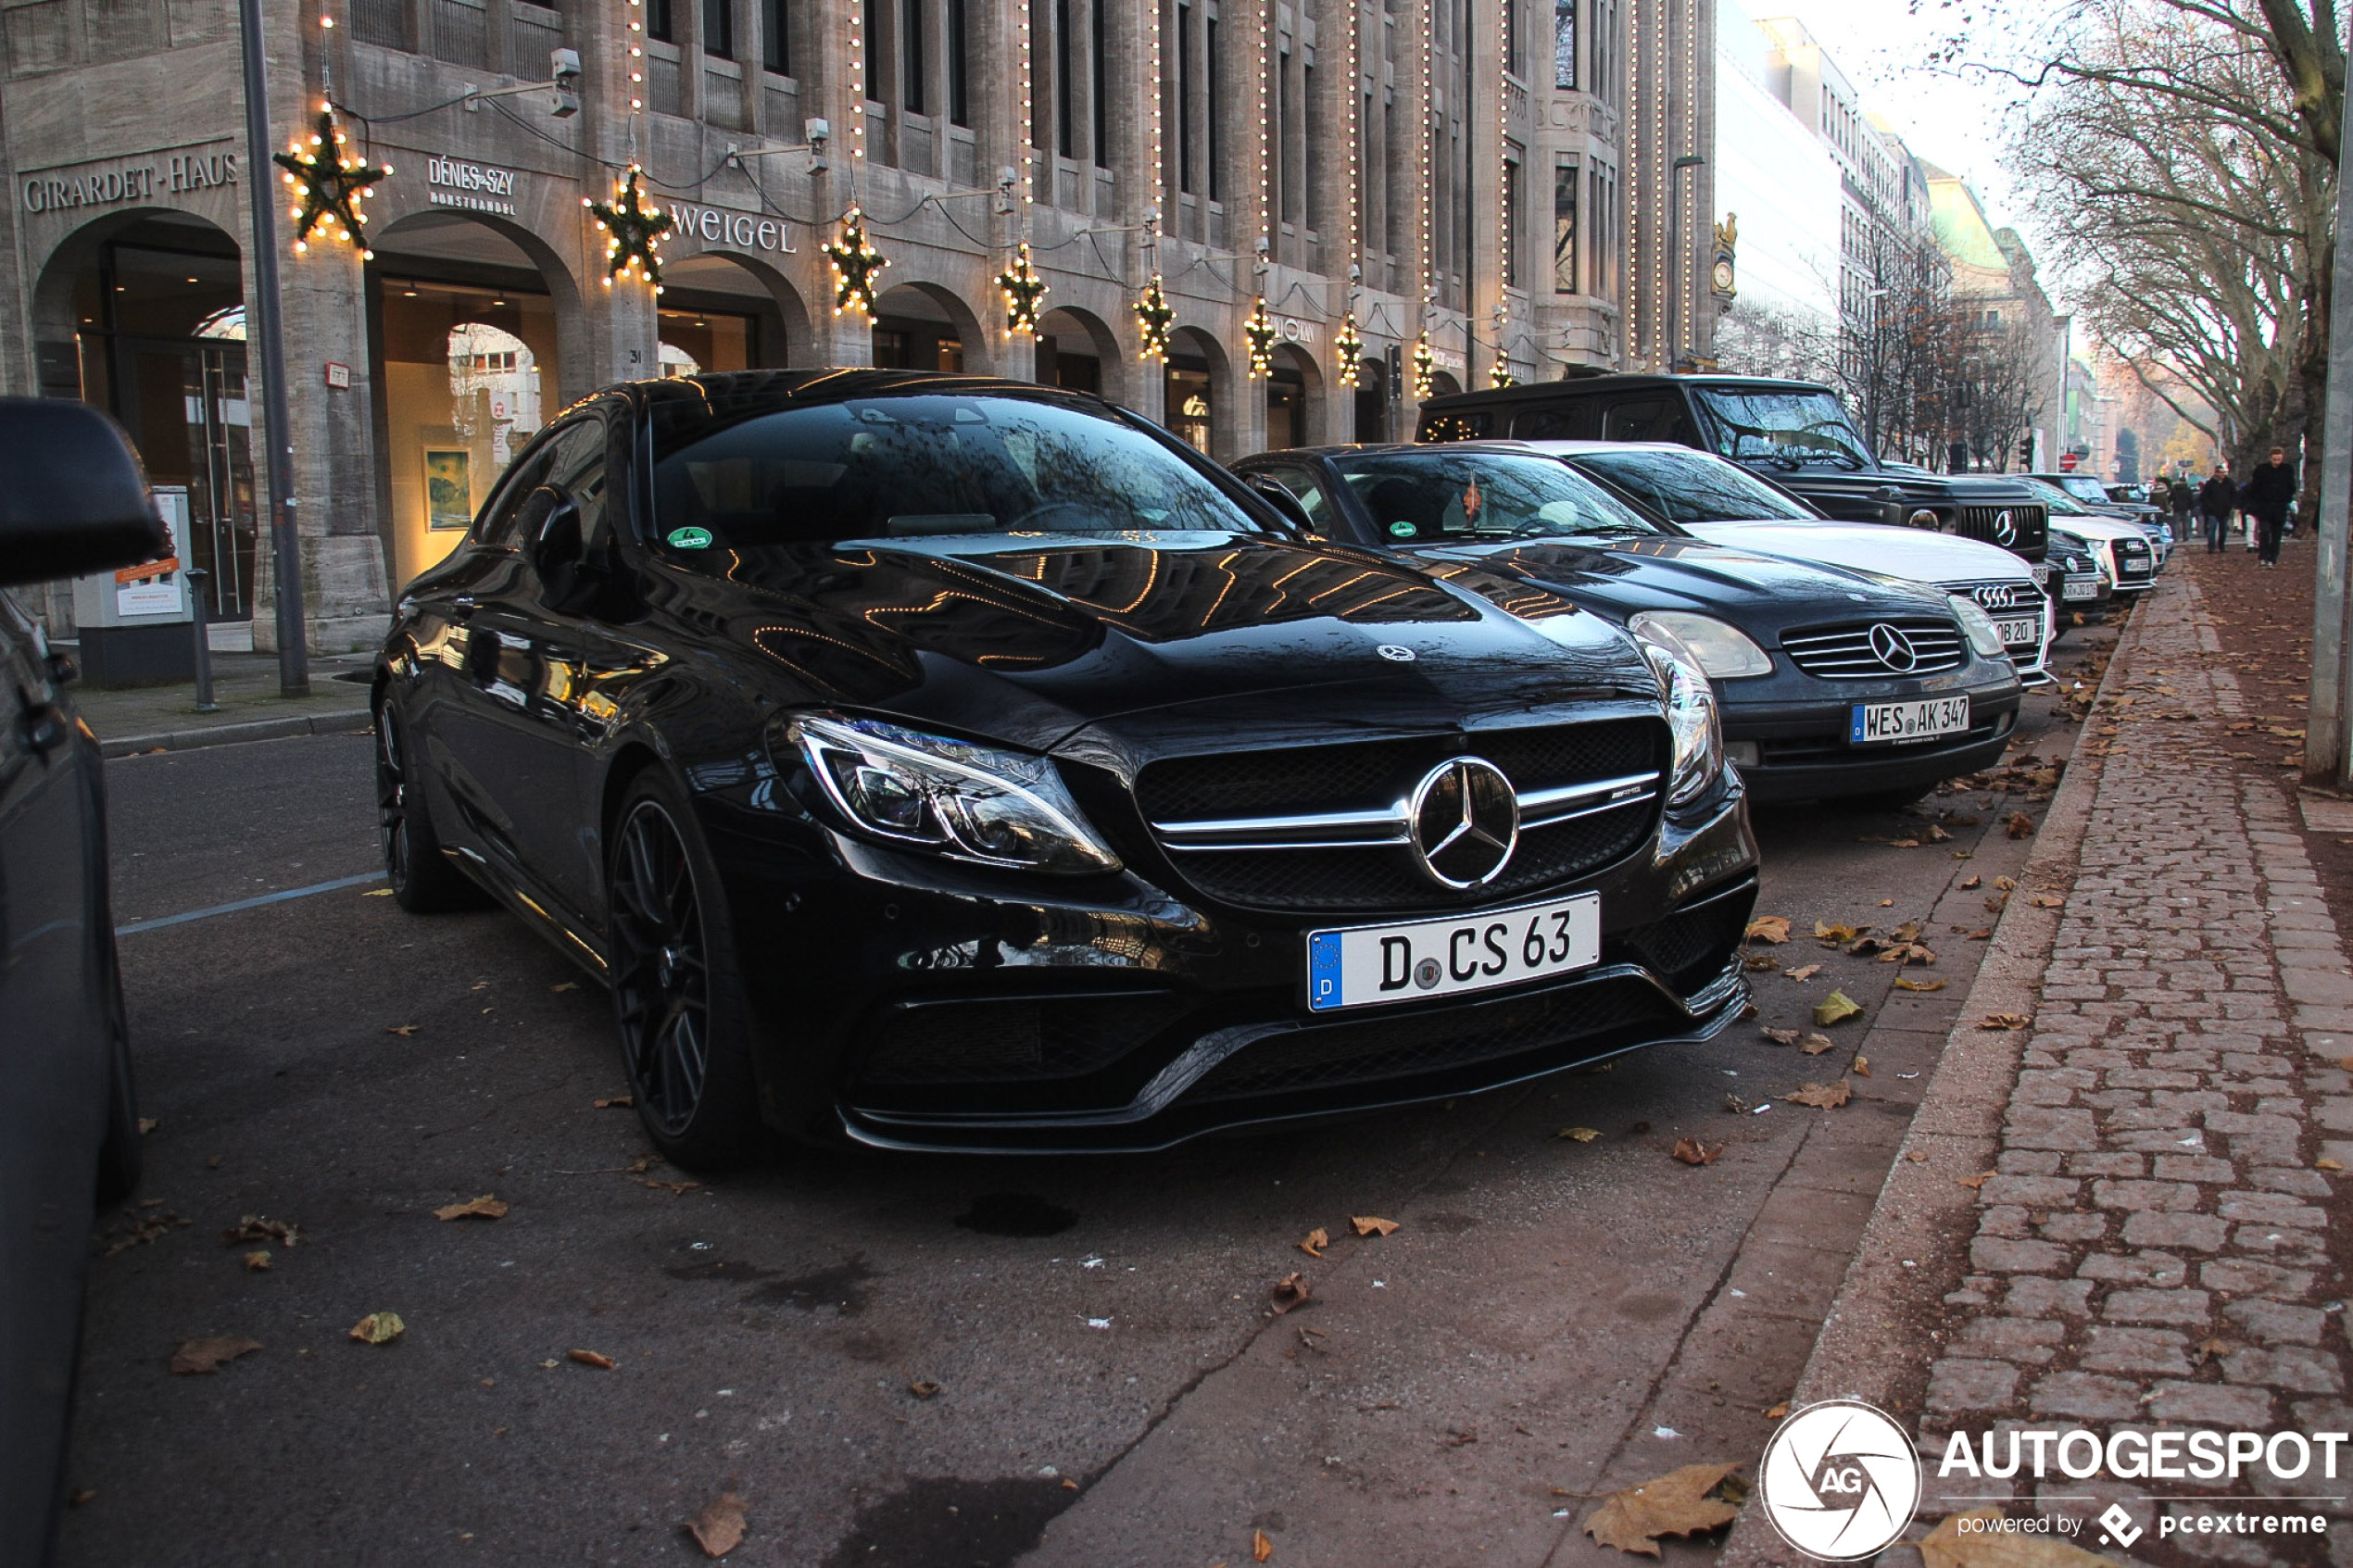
column 1997, row 392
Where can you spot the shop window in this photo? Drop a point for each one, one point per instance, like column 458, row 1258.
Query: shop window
column 1190, row 411
column 696, row 341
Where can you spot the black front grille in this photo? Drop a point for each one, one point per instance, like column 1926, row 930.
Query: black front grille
column 1369, row 1049
column 1352, row 880
column 1022, row 1039
column 1374, row 775
column 1691, row 947
column 2028, row 528
column 1846, row 652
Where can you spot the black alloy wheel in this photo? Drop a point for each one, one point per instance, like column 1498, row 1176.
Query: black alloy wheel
column 423, row 880
column 674, row 991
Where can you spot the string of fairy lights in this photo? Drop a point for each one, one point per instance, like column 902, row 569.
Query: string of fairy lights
column 329, row 184
column 1499, row 371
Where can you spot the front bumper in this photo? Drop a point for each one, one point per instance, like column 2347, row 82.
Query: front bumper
column 909, row 1002
column 1803, row 751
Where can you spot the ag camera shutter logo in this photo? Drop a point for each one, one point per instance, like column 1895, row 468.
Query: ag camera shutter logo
column 1840, row 1480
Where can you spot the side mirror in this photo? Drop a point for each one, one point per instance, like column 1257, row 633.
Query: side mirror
column 74, row 497
column 1278, row 495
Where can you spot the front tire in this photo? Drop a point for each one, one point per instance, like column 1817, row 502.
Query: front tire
column 424, row 882
column 677, row 996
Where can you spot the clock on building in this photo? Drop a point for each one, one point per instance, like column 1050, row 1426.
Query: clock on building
column 1727, row 239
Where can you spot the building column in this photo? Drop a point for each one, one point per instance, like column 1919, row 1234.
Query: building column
column 835, row 84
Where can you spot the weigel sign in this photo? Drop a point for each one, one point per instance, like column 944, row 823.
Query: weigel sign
column 740, row 231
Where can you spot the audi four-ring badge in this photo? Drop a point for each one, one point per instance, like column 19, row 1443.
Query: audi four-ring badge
column 950, row 763
column 1834, row 684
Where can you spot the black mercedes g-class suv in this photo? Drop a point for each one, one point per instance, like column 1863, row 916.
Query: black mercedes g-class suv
column 1795, row 433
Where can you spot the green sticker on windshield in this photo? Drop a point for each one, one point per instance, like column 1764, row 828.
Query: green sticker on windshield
column 1403, row 529
column 690, row 538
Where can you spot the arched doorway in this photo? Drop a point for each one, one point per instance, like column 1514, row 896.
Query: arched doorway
column 724, row 312
column 1294, row 399
column 1198, row 386
column 1443, row 385
column 1077, row 350
column 476, row 332
column 143, row 314
column 923, row 327
column 1372, row 400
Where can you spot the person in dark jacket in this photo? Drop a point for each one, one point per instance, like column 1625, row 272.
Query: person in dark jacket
column 2217, row 500
column 2269, row 494
column 2180, row 500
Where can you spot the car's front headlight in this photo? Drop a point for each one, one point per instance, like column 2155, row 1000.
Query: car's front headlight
column 957, row 798
column 1724, row 651
column 1984, row 635
column 1691, row 709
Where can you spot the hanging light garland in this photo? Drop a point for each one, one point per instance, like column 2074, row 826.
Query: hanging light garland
column 329, row 187
column 1423, row 357
column 1425, row 368
column 1260, row 332
column 1154, row 319
column 855, row 264
column 632, row 232
column 1347, row 344
column 1023, row 290
column 1499, row 371
column 1350, row 349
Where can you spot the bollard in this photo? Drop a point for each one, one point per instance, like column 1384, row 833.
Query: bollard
column 197, row 577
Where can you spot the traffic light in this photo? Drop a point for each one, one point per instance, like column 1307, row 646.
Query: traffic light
column 2026, row 455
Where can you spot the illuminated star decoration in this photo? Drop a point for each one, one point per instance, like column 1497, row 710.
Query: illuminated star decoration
column 855, row 264
column 330, row 189
column 1024, row 288
column 1155, row 316
column 1260, row 330
column 1502, row 377
column 1425, row 367
column 1350, row 349
column 632, row 233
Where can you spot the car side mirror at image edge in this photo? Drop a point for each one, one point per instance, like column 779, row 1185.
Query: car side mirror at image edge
column 74, row 497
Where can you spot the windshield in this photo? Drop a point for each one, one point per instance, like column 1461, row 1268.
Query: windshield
column 2061, row 503
column 1786, row 427
column 911, row 467
column 1415, row 497
column 1687, row 486
column 2084, row 487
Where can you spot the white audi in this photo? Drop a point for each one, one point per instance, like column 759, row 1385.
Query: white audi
column 1725, row 504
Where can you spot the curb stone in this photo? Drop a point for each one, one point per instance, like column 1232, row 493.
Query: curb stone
column 232, row 735
column 1866, row 1351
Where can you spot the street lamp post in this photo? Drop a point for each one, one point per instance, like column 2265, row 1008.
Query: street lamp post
column 1679, row 272
column 269, row 346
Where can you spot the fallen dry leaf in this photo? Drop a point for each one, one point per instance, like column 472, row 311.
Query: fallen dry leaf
column 256, row 1262
column 1769, row 928
column 1908, row 952
column 2006, row 883
column 2325, row 1163
column 2049, row 901
column 1675, row 1505
column 1804, row 972
column 567, row 985
column 1371, row 1225
column 1781, row 1037
column 1973, row 1183
column 1887, row 903
column 1983, row 934
column 590, row 1358
column 403, row 1030
column 209, row 1354
column 1947, row 1546
column 1827, row 1097
column 2006, row 1020
column 1290, row 1291
column 148, row 1125
column 616, row 1102
column 2206, row 1350
column 1938, row 835
column 1907, row 931
column 1316, row 1240
column 482, row 1207
column 922, row 1387
column 1835, row 1008
column 254, row 1228
column 1690, row 1151
column 719, row 1528
column 1578, row 1134
column 1758, row 963
column 1899, row 843
column 1837, row 936
column 379, row 1328
column 1815, row 1044
column 1972, row 881
column 1906, row 983
column 1261, row 1549
column 1862, row 1066
column 1777, row 1411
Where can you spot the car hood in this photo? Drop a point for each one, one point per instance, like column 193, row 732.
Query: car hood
column 1621, row 577
column 1029, row 639
column 2106, row 528
column 1914, row 554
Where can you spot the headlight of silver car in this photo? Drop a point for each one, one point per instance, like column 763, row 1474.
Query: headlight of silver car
column 957, row 798
column 1723, row 650
column 1984, row 635
column 1691, row 709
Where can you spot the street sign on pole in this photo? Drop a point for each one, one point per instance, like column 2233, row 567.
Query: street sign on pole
column 2328, row 730
column 269, row 346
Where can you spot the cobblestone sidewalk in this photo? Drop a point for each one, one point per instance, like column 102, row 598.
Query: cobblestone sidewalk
column 2153, row 1245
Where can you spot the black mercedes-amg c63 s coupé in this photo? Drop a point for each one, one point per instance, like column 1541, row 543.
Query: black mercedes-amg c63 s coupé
column 943, row 762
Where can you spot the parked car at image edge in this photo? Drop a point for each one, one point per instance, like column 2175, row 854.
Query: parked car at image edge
column 1797, row 434
column 950, row 763
column 1725, row 504
column 75, row 501
column 1833, row 684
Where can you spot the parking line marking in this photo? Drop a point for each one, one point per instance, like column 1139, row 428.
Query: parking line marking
column 137, row 926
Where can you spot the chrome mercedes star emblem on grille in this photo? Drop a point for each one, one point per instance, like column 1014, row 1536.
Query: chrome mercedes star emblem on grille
column 2004, row 528
column 1895, row 649
column 1395, row 654
column 1466, row 818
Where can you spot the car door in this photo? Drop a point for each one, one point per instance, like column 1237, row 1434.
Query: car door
column 54, row 1048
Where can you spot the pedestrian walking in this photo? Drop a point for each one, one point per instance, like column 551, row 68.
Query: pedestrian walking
column 2269, row 492
column 2183, row 502
column 2217, row 500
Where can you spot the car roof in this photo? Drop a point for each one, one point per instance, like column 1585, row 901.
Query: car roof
column 1610, row 380
column 741, row 391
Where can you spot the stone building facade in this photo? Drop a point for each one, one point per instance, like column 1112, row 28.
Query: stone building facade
column 1385, row 159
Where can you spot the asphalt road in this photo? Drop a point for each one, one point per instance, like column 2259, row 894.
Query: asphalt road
column 1111, row 1387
